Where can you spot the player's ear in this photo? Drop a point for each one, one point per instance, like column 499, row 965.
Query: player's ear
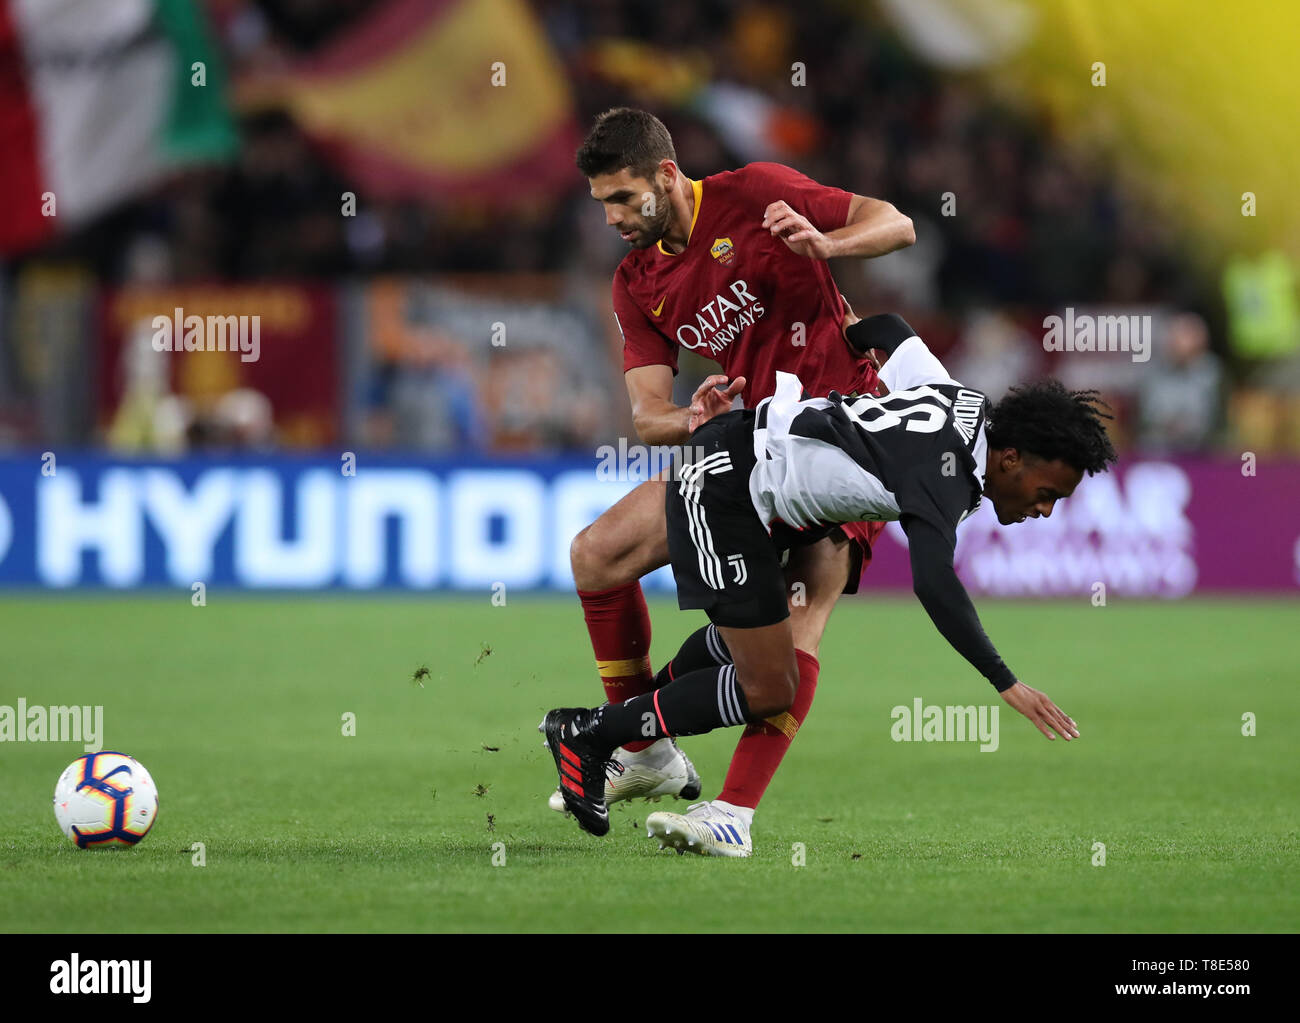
column 666, row 175
column 1010, row 460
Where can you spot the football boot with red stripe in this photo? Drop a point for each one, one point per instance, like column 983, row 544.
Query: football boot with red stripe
column 582, row 764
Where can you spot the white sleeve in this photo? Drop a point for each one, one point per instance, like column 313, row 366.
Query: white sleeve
column 911, row 365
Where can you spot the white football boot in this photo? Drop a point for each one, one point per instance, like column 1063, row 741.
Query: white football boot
column 705, row 829
column 661, row 769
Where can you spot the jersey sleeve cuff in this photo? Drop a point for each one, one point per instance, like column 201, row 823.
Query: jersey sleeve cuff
column 886, row 332
column 637, row 361
column 1002, row 678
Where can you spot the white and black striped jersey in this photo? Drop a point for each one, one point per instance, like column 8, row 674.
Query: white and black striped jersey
column 917, row 455
column 919, row 451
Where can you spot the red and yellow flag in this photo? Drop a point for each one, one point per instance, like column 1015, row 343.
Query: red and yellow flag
column 458, row 98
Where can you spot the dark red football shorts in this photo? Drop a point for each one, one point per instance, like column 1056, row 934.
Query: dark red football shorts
column 861, row 535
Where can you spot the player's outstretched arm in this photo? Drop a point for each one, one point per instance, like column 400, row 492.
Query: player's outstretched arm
column 945, row 599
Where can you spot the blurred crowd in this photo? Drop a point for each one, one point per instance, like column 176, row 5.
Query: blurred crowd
column 1011, row 225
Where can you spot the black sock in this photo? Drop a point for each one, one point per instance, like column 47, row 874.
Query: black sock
column 692, row 704
column 703, row 648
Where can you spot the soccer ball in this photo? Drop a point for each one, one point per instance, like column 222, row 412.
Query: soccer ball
column 105, row 799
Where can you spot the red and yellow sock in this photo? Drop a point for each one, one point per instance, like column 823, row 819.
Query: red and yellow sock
column 762, row 747
column 618, row 622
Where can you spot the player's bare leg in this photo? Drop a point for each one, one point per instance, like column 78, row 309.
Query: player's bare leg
column 823, row 569
column 628, row 541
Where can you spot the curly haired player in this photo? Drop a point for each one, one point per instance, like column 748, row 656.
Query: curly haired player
column 786, row 473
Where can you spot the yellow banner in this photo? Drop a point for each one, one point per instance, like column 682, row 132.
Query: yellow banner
column 1197, row 98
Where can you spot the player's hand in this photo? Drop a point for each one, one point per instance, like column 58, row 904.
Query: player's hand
column 712, row 398
column 1046, row 716
column 796, row 231
column 850, row 318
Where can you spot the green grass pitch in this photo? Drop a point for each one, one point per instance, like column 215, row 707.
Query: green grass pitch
column 237, row 710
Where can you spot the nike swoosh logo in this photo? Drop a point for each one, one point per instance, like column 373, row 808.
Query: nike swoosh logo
column 660, row 307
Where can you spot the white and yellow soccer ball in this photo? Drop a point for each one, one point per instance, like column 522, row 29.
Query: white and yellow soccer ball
column 105, row 799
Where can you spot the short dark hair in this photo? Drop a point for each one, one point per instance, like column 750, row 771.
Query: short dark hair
column 1046, row 420
column 624, row 137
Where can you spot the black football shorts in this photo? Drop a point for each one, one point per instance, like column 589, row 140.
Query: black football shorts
column 724, row 561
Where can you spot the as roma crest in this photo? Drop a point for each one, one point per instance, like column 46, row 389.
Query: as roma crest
column 723, row 251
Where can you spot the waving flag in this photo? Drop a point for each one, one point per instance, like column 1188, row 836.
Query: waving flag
column 98, row 101
column 430, row 98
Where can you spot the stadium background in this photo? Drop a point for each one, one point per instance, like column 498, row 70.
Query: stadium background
column 432, row 281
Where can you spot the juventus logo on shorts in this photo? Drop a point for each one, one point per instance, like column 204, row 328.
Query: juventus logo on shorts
column 715, row 464
column 737, row 561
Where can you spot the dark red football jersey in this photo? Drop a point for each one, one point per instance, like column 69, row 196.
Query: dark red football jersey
column 738, row 295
